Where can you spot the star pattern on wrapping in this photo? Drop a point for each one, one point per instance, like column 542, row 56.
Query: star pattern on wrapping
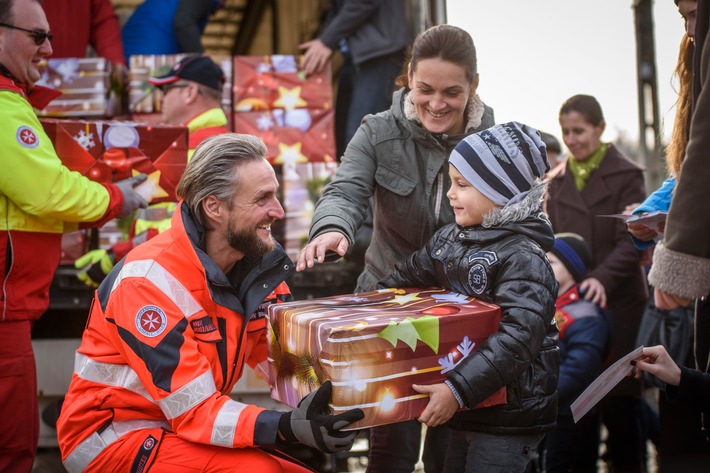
column 289, row 99
column 290, row 155
column 264, row 122
column 150, row 188
column 406, row 298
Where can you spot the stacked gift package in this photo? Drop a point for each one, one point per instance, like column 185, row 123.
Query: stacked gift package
column 109, row 151
column 373, row 346
column 274, row 100
column 301, row 185
column 91, row 87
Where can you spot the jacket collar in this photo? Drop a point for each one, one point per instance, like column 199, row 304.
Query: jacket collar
column 244, row 295
column 570, row 296
column 596, row 189
column 38, row 96
column 211, row 118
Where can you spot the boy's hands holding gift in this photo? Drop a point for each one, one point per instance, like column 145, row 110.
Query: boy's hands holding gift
column 442, row 404
column 312, row 424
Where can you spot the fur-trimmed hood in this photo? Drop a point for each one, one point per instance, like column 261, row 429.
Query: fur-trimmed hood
column 520, row 210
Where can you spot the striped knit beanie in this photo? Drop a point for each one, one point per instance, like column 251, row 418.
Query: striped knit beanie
column 502, row 162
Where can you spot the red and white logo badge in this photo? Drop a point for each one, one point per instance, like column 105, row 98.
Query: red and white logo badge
column 27, row 137
column 151, row 321
column 149, row 443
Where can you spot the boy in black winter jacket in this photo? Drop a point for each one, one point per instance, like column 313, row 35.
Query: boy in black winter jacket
column 495, row 252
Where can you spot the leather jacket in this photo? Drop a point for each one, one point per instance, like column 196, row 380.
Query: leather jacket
column 504, row 264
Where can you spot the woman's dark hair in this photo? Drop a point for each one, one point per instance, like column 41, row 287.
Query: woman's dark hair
column 586, row 105
column 445, row 42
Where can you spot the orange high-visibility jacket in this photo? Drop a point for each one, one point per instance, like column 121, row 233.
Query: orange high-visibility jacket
column 167, row 339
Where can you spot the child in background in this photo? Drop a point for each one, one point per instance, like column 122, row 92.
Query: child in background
column 495, row 252
column 585, row 337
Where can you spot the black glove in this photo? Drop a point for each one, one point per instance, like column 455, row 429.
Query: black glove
column 311, row 424
column 131, row 199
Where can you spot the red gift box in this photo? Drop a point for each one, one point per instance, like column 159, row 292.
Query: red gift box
column 291, row 136
column 373, row 346
column 269, row 82
column 91, row 87
column 109, row 151
column 292, row 113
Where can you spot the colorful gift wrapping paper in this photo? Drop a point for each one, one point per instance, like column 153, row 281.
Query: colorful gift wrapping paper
column 292, row 113
column 91, row 87
column 373, row 346
column 109, row 151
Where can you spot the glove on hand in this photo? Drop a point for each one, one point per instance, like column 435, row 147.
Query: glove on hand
column 95, row 265
column 312, row 425
column 131, row 199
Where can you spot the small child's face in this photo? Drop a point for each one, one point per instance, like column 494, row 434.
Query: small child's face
column 562, row 274
column 470, row 206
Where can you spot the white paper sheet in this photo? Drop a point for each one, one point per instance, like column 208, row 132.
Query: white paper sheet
column 604, row 383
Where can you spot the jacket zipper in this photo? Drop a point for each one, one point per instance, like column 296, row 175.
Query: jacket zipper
column 9, row 259
column 247, row 319
column 439, row 198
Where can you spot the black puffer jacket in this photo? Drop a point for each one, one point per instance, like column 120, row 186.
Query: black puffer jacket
column 506, row 265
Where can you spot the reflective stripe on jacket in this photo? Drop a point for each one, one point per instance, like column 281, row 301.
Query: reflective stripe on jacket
column 167, row 340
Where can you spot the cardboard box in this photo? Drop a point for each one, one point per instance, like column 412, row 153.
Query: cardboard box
column 109, row 151
column 274, row 100
column 373, row 346
column 91, row 87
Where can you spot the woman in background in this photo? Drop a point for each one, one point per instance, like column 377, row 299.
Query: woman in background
column 599, row 179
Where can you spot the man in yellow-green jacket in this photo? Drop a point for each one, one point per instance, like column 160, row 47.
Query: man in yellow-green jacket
column 39, row 200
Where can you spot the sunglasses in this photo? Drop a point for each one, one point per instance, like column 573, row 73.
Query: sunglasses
column 39, row 36
column 168, row 87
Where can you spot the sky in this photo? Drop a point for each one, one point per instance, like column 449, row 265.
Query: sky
column 534, row 54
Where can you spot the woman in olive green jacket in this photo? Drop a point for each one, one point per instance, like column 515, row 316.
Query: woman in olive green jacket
column 397, row 162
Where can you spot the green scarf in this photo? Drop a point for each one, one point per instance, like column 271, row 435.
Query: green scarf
column 581, row 170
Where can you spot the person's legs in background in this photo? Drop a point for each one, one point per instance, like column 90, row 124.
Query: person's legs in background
column 626, row 442
column 573, row 447
column 372, row 85
column 18, row 398
column 394, row 448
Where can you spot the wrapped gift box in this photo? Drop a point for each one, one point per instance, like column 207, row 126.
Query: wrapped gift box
column 144, row 99
column 91, row 87
column 109, row 151
column 302, row 185
column 373, row 346
column 274, row 100
column 269, row 82
column 292, row 136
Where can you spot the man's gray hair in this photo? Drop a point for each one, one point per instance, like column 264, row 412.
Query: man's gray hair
column 211, row 171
